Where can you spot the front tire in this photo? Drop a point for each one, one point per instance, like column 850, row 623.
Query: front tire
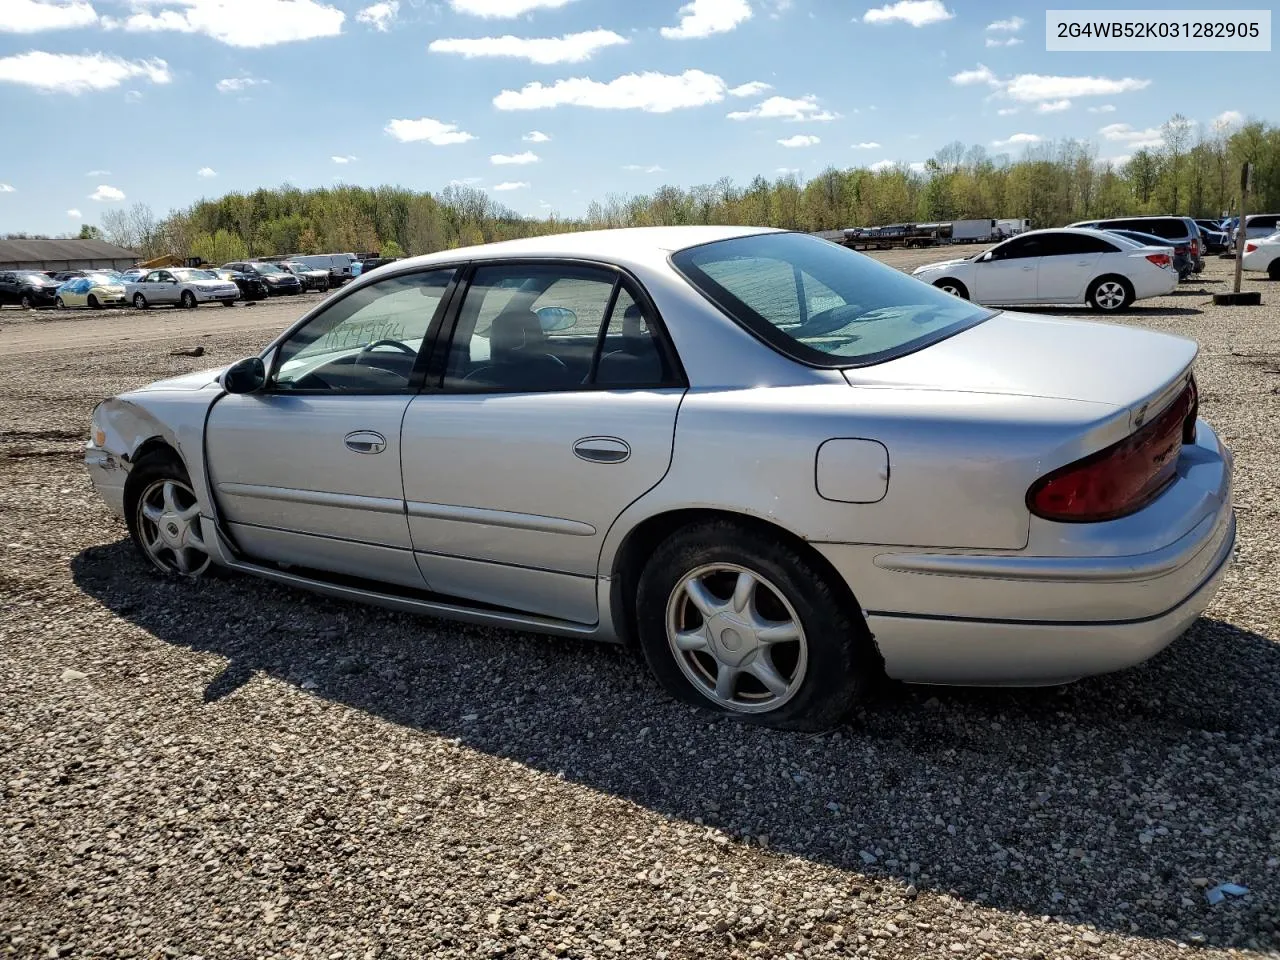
column 741, row 623
column 93, row 303
column 1110, row 294
column 1273, row 271
column 139, row 302
column 188, row 300
column 163, row 516
column 953, row 287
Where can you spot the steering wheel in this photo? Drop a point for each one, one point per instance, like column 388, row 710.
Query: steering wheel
column 402, row 347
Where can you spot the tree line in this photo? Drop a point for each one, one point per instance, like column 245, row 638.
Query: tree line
column 1190, row 171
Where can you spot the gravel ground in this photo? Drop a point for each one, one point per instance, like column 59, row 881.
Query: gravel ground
column 236, row 770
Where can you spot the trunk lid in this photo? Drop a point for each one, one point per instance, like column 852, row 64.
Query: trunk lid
column 1018, row 354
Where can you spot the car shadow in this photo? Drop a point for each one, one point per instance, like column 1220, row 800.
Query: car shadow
column 1108, row 802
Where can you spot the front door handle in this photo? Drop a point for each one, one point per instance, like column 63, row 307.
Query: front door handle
column 602, row 449
column 365, row 441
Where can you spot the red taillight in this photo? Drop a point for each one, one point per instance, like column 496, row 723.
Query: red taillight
column 1122, row 478
column 1195, row 247
column 1250, row 247
column 1160, row 259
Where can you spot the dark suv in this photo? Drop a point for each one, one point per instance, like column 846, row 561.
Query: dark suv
column 1177, row 230
column 27, row 288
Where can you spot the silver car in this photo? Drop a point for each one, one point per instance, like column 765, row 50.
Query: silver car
column 180, row 287
column 777, row 466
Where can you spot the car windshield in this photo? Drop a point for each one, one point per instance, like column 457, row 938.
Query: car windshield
column 107, row 278
column 822, row 303
column 36, row 278
column 266, row 268
column 185, row 275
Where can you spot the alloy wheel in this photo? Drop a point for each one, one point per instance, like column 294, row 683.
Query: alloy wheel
column 169, row 522
column 736, row 638
column 1110, row 295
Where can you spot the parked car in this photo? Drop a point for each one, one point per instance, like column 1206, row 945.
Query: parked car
column 1062, row 266
column 373, row 263
column 133, row 273
column 311, row 278
column 250, row 285
column 681, row 437
column 1257, row 225
column 278, row 281
column 184, row 287
column 94, row 290
column 27, row 289
column 339, row 265
column 1215, row 238
column 1178, row 229
column 1183, row 264
column 1263, row 254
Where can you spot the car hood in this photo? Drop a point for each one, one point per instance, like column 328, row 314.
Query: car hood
column 200, row 380
column 942, row 264
column 1020, row 354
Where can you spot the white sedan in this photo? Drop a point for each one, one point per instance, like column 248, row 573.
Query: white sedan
column 1063, row 266
column 1263, row 255
column 181, row 287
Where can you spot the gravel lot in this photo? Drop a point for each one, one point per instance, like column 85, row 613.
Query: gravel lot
column 237, row 770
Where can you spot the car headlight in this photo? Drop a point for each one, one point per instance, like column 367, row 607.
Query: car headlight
column 95, row 429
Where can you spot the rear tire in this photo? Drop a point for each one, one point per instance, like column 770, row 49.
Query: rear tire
column 738, row 622
column 228, row 303
column 140, row 302
column 59, row 304
column 1273, row 271
column 26, row 303
column 953, row 287
column 1110, row 294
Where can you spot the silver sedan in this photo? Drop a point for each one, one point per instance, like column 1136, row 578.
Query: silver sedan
column 776, row 466
column 180, row 287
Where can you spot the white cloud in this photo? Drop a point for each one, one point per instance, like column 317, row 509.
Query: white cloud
column 343, row 159
column 881, row 165
column 237, row 23
column 651, row 92
column 8, row 188
column 433, row 131
column 504, row 8
column 535, row 136
column 1131, row 138
column 206, row 172
column 1119, row 159
column 785, row 108
column 1103, row 108
column 74, row 214
column 1012, row 25
column 465, row 182
column 1008, row 111
column 107, row 194
column 641, row 168
column 1018, row 140
column 702, row 18
column 866, row 145
column 800, row 140
column 1006, row 42
column 32, row 16
column 980, row 74
column 1053, row 106
column 750, row 89
column 571, row 48
column 78, row 72
column 917, row 166
column 132, row 96
column 98, row 173
column 1031, row 87
column 511, row 185
column 237, row 84
column 513, row 159
column 1228, row 118
column 787, row 171
column 918, row 13
column 380, row 15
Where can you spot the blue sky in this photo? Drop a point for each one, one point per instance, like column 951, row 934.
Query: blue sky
column 547, row 103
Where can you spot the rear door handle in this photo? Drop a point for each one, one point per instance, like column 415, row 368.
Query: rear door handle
column 365, row 441
column 602, row 449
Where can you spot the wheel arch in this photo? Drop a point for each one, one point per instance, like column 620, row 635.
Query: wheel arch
column 638, row 544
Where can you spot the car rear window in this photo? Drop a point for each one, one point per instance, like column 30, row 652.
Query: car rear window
column 821, row 303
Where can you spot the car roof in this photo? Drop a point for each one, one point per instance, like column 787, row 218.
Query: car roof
column 1086, row 231
column 624, row 244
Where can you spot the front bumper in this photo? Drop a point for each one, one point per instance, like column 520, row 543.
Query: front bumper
column 108, row 475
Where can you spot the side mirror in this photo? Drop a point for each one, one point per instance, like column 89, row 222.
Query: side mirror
column 984, row 258
column 245, row 376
